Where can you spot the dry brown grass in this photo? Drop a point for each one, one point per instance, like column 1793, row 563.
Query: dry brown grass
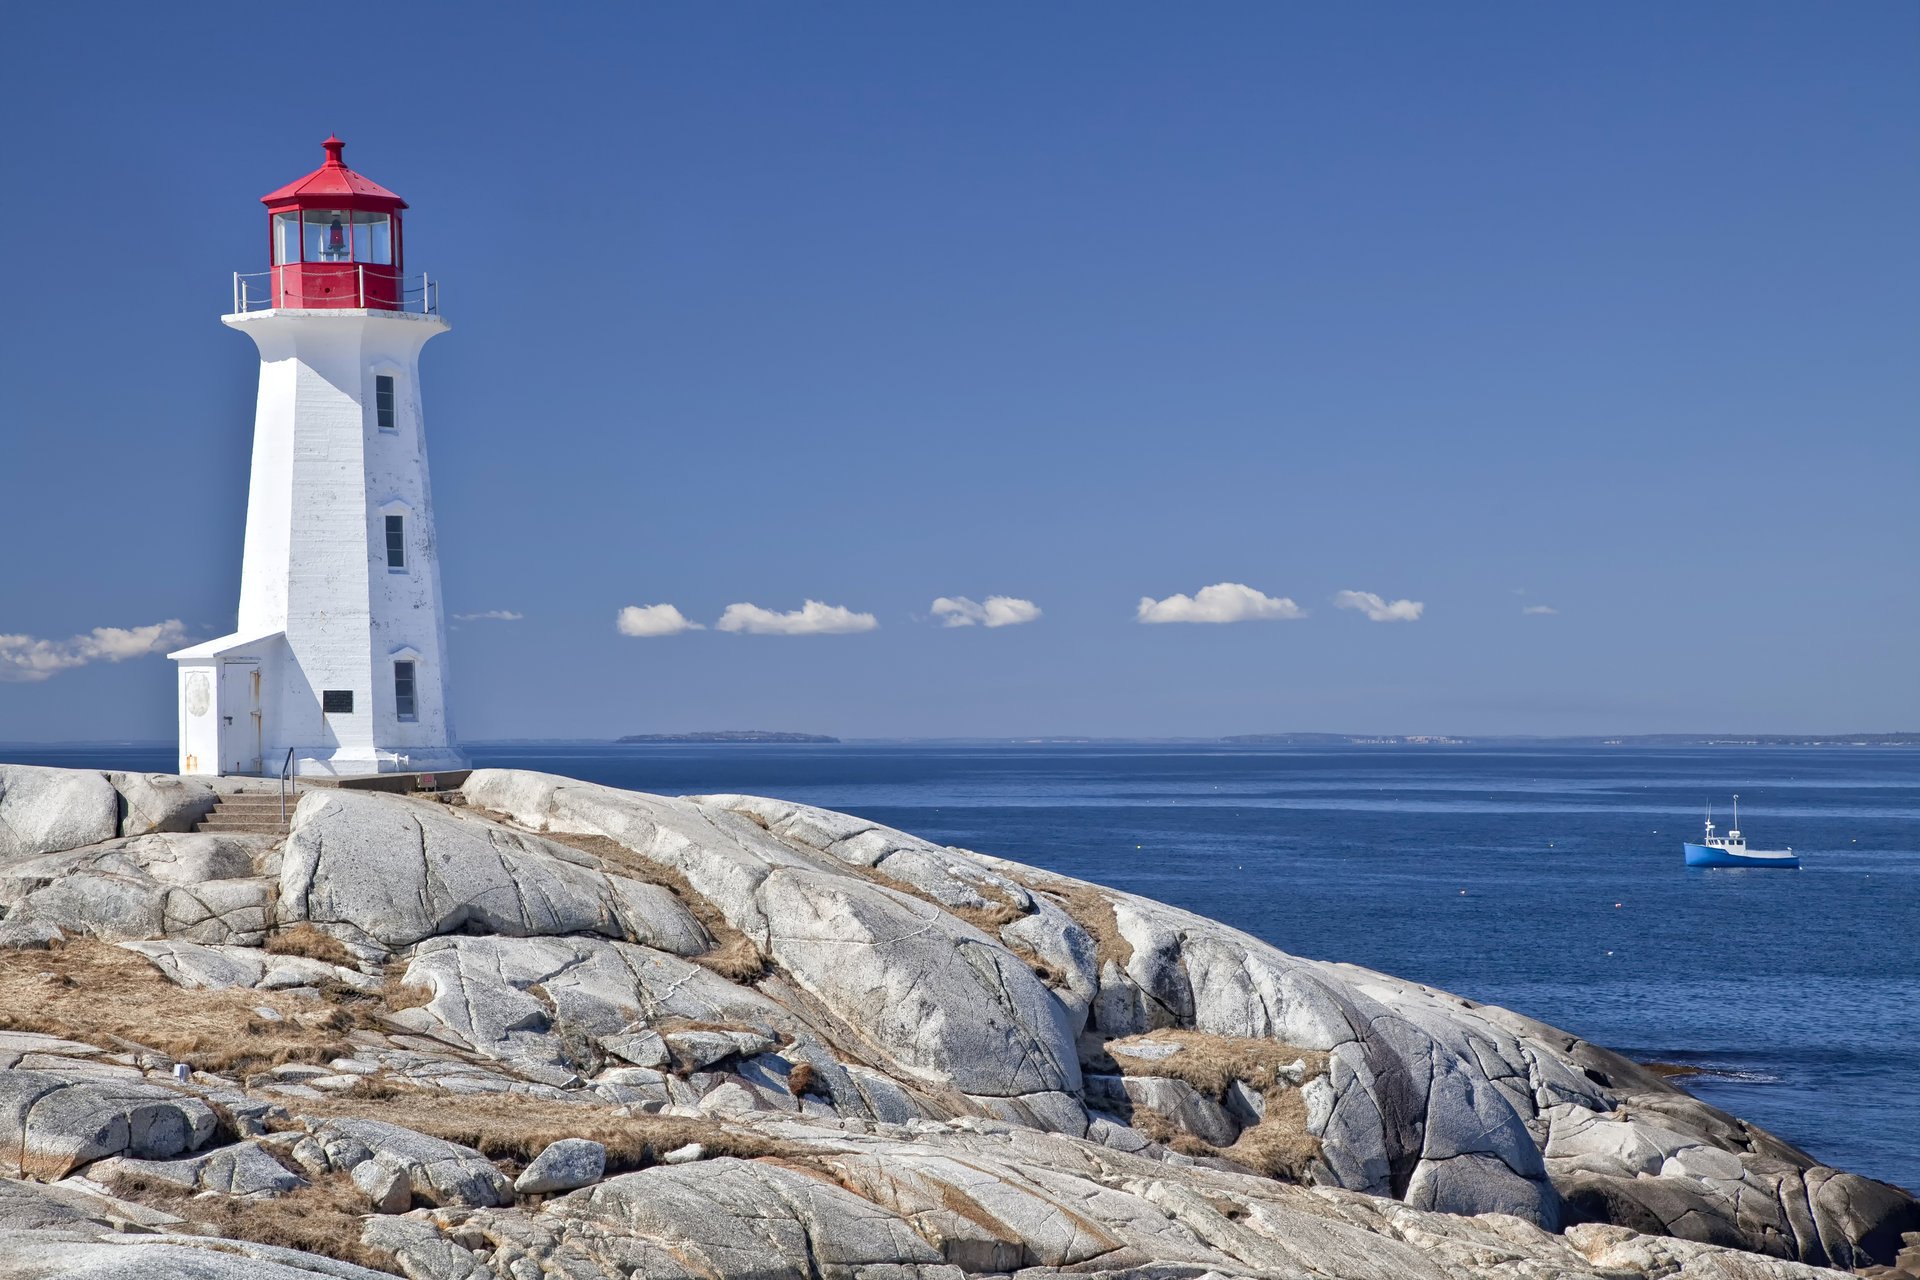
column 305, row 940
column 398, row 994
column 514, row 1128
column 802, row 1079
column 323, row 1218
column 988, row 919
column 1212, row 1063
column 999, row 911
column 1090, row 908
column 1279, row 1146
column 105, row 995
column 733, row 955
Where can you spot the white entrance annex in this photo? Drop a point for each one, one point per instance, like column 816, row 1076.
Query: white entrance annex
column 338, row 662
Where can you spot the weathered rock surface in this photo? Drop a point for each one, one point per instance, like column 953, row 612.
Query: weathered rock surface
column 152, row 802
column 243, row 1169
column 386, row 873
column 437, row 1172
column 47, row 810
column 730, row 1036
column 72, row 1255
column 51, row 1123
column 168, row 885
column 566, row 1165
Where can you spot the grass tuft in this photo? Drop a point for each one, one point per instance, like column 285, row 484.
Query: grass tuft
column 802, row 1080
column 513, row 1128
column 1212, row 1063
column 1279, row 1146
column 733, row 955
column 322, row 1218
column 305, row 940
column 398, row 994
column 102, row 994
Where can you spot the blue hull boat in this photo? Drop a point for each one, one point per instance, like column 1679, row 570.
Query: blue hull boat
column 1699, row 855
column 1730, row 850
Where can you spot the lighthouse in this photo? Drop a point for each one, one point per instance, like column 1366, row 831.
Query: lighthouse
column 338, row 662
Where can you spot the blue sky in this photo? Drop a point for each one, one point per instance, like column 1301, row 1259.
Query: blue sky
column 1606, row 309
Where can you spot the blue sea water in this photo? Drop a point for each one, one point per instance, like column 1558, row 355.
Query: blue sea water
column 1547, row 880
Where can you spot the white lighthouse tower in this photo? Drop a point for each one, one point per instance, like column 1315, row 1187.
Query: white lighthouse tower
column 338, row 664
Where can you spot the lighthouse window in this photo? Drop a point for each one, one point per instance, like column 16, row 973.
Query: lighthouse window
column 327, row 235
column 373, row 238
column 383, row 402
column 403, row 703
column 286, row 237
column 396, row 542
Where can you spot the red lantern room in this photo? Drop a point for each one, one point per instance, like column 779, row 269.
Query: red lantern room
column 336, row 240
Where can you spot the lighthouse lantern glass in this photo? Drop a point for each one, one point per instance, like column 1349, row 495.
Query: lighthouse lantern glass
column 326, row 236
column 373, row 238
column 286, row 237
column 346, row 235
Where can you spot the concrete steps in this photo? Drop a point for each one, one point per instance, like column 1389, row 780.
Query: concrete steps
column 247, row 813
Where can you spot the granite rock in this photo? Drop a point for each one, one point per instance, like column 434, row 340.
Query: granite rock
column 387, row 873
column 847, row 1052
column 243, row 1170
column 565, row 1165
column 51, row 1123
column 49, row 810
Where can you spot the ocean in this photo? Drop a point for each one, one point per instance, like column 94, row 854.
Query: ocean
column 1547, row 880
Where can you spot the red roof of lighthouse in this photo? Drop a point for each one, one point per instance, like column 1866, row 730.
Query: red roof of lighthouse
column 334, row 185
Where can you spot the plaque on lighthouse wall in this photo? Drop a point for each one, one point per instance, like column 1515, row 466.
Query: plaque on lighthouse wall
column 198, row 696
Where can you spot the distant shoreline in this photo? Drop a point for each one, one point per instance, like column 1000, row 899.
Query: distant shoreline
column 728, row 736
column 759, row 738
column 1579, row 740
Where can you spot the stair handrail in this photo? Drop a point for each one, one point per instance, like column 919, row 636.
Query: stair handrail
column 286, row 774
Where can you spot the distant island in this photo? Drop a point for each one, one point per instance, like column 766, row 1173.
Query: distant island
column 1592, row 740
column 729, row 736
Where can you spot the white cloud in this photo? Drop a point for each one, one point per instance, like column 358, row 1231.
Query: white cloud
column 998, row 611
column 810, row 619
column 27, row 658
column 489, row 615
column 1538, row 609
column 653, row 620
column 1377, row 609
column 1221, row 602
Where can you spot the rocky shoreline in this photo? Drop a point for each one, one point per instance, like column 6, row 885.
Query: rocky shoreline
column 537, row 1027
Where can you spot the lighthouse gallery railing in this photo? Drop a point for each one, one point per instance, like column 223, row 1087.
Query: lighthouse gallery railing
column 257, row 291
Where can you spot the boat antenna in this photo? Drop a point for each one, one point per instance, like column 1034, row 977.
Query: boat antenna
column 1736, row 811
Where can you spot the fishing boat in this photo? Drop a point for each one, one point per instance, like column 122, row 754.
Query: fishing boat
column 1730, row 850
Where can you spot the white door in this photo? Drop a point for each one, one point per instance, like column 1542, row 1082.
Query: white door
column 240, row 716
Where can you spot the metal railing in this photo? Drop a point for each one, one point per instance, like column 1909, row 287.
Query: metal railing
column 267, row 290
column 286, row 776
